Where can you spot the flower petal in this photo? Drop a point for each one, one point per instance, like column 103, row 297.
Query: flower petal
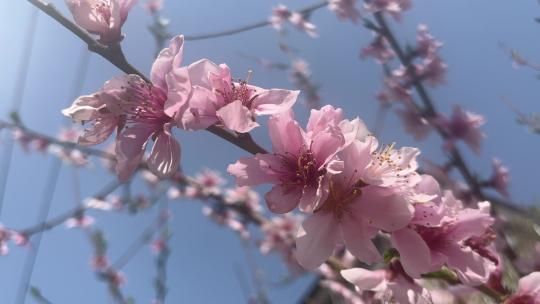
column 130, row 147
column 235, row 116
column 273, row 101
column 282, row 199
column 167, row 60
column 414, row 253
column 165, row 156
column 316, row 240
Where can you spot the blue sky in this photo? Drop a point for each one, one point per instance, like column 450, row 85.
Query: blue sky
column 201, row 268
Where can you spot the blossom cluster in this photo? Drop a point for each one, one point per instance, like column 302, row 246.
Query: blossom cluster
column 349, row 188
column 190, row 97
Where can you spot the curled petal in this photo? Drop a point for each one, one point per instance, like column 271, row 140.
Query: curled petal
column 179, row 89
column 165, row 156
column 167, row 60
column 269, row 102
column 235, row 116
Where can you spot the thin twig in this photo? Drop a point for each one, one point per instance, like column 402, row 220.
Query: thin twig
column 305, row 11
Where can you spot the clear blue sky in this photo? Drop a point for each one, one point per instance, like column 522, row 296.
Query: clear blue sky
column 203, row 254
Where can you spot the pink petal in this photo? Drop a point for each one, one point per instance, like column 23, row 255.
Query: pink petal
column 316, row 240
column 269, row 102
column 202, row 110
column 285, row 134
column 167, row 60
column 199, row 72
column 471, row 268
column 282, row 199
column 235, row 116
column 530, row 284
column 326, row 144
column 179, row 89
column 387, row 212
column 364, row 279
column 99, row 132
column 165, row 156
column 83, row 16
column 321, row 119
column 130, row 147
column 357, row 238
column 414, row 253
column 251, row 171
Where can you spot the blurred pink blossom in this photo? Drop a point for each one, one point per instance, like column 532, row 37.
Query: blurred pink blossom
column 81, row 221
column 345, row 9
column 528, row 291
column 500, row 177
column 378, row 49
column 153, row 6
column 392, row 283
column 392, row 7
column 462, row 125
column 101, row 17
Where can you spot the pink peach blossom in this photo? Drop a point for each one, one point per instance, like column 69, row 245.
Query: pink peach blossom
column 432, row 70
column 345, row 9
column 217, row 99
column 445, row 233
column 414, row 123
column 296, row 167
column 82, row 221
column 392, row 283
column 462, row 125
column 528, row 290
column 279, row 16
column 138, row 111
column 101, row 17
column 153, row 6
column 426, row 45
column 392, row 7
column 500, row 177
column 282, row 14
column 378, row 49
column 362, row 199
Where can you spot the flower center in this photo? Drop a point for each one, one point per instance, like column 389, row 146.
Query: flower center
column 239, row 91
column 144, row 103
column 301, row 169
column 340, row 198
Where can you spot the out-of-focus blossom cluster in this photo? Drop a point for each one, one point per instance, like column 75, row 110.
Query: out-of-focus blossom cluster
column 345, row 9
column 279, row 237
column 30, row 141
column 8, row 235
column 300, row 74
column 230, row 207
column 281, row 15
column 392, row 7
